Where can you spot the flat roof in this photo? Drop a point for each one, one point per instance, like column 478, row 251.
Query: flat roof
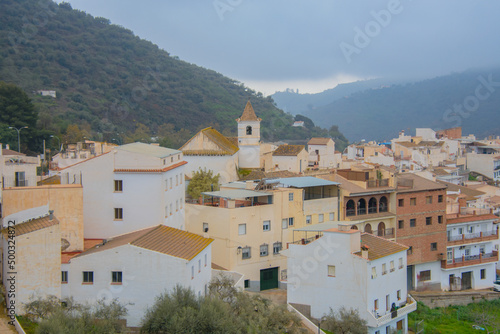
column 320, row 227
column 303, row 182
column 235, row 193
column 152, row 150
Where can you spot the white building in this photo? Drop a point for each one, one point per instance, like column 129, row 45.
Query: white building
column 470, row 253
column 356, row 270
column 293, row 158
column 249, row 138
column 487, row 164
column 212, row 150
column 322, row 152
column 132, row 187
column 137, row 267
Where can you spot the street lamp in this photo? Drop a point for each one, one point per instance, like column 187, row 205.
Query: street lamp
column 58, row 141
column 18, row 136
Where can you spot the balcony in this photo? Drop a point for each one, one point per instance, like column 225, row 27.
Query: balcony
column 470, row 260
column 387, row 233
column 382, row 318
column 472, row 237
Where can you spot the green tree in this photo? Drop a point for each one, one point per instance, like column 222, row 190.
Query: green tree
column 202, row 180
column 344, row 321
column 58, row 317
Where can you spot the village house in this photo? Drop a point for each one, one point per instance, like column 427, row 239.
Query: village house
column 421, row 215
column 351, row 269
column 71, row 154
column 322, row 153
column 251, row 222
column 367, row 199
column 137, row 267
column 132, row 187
column 211, row 150
column 293, row 158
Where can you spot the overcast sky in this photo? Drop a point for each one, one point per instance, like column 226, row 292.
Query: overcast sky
column 314, row 45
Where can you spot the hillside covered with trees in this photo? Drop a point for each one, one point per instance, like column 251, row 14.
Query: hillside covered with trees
column 111, row 85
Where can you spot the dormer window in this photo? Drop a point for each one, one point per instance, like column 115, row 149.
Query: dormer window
column 249, row 130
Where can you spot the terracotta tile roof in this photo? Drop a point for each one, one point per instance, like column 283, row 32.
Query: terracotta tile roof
column 142, row 170
column 319, row 141
column 379, row 247
column 471, row 194
column 87, row 244
column 32, row 225
column 417, row 182
column 10, row 152
column 66, row 256
column 226, row 146
column 162, row 239
column 248, row 114
column 259, row 175
column 469, row 218
column 217, row 267
column 288, row 150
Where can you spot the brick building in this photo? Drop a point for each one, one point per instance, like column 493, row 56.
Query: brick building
column 421, row 225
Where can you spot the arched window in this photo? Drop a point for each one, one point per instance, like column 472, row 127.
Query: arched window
column 361, row 206
column 350, row 209
column 381, row 229
column 372, row 205
column 382, row 205
column 368, row 228
column 354, row 227
column 249, row 130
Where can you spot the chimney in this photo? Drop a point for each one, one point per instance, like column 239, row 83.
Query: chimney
column 51, row 214
column 364, row 251
column 344, row 227
column 7, row 146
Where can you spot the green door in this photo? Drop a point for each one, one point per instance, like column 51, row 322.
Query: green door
column 269, row 278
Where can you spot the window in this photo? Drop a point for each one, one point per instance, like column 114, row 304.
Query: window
column 64, row 277
column 413, row 222
column 284, row 223
column 171, row 179
column 247, row 283
column 21, row 179
column 246, row 253
column 384, row 269
column 413, row 201
column 118, row 213
column 290, row 221
column 266, row 225
column 199, row 265
column 332, row 216
column 180, row 178
column 290, row 197
column 171, row 209
column 116, row 277
column 166, row 184
column 249, row 130
column 440, row 198
column 409, row 251
column 242, row 229
column 276, row 247
column 192, row 272
column 374, row 272
column 331, row 271
column 308, row 219
column 166, row 210
column 375, row 304
column 264, row 250
column 483, row 273
column 205, row 259
column 401, row 202
column 434, row 246
column 471, row 229
column 321, row 218
column 440, row 219
column 177, row 205
column 205, row 227
column 428, row 199
column 424, row 275
column 392, row 266
column 428, row 220
column 401, row 263
column 88, row 277
column 387, row 302
column 177, row 180
column 118, row 185
column 401, row 224
column 399, row 295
